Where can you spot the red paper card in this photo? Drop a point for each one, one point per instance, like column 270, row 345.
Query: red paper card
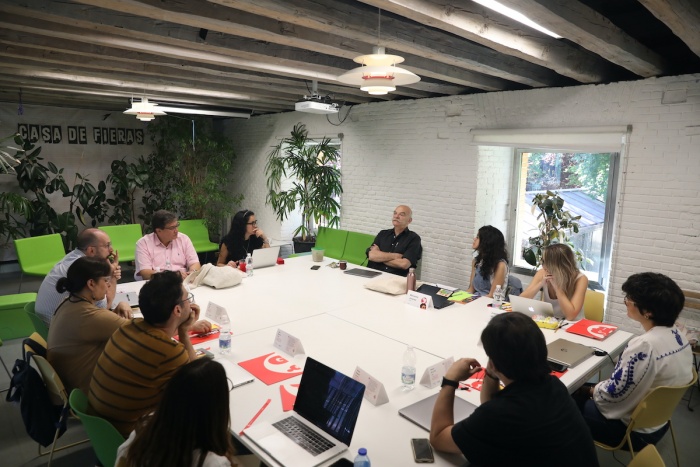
column 288, row 394
column 196, row 338
column 271, row 368
column 592, row 329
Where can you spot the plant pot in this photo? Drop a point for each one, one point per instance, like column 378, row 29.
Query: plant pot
column 301, row 246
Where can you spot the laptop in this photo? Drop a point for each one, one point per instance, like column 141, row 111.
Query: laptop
column 362, row 272
column 530, row 306
column 264, row 257
column 237, row 375
column 439, row 301
column 421, row 412
column 567, row 353
column 326, row 408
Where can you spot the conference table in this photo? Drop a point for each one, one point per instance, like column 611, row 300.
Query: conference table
column 344, row 325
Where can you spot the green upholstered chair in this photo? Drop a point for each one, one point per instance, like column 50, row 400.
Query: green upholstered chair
column 124, row 238
column 37, row 255
column 14, row 321
column 332, row 240
column 104, row 437
column 356, row 246
column 39, row 325
column 198, row 233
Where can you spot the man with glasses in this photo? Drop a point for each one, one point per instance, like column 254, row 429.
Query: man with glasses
column 165, row 249
column 93, row 243
column 141, row 356
column 397, row 249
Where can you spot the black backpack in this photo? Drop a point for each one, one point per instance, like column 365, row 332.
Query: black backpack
column 41, row 417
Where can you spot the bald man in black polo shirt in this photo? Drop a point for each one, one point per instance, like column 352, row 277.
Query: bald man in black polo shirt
column 398, row 249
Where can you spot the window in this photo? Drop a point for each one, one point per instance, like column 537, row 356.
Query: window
column 587, row 183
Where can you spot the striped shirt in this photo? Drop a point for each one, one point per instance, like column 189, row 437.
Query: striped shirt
column 130, row 375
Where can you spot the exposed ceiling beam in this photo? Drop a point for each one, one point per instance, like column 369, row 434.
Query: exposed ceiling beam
column 681, row 16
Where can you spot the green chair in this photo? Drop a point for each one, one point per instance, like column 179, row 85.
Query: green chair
column 38, row 255
column 332, row 240
column 124, row 238
column 356, row 246
column 198, row 233
column 104, row 437
column 39, row 325
column 14, row 321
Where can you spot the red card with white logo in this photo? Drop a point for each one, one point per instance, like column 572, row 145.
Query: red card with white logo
column 288, row 394
column 271, row 368
column 592, row 329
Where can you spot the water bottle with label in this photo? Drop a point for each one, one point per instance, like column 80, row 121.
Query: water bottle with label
column 361, row 460
column 497, row 298
column 225, row 336
column 408, row 370
column 249, row 265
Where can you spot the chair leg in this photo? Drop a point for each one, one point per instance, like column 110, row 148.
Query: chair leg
column 8, row 374
column 675, row 446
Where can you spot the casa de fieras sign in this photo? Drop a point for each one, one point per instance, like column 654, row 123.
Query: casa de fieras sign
column 54, row 134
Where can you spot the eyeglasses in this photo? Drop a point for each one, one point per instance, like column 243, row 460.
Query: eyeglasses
column 106, row 245
column 254, row 223
column 189, row 298
column 172, row 227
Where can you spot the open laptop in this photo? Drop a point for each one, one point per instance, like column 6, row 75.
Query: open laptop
column 530, row 306
column 567, row 353
column 264, row 257
column 421, row 412
column 326, row 408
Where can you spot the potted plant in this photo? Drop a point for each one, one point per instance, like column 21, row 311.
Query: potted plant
column 312, row 167
column 555, row 226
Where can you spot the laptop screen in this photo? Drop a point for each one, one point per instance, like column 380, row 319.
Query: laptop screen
column 329, row 399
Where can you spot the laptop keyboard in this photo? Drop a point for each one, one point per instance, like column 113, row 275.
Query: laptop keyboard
column 303, row 435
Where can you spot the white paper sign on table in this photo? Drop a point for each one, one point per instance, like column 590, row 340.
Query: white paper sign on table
column 419, row 300
column 374, row 389
column 432, row 376
column 216, row 312
column 288, row 343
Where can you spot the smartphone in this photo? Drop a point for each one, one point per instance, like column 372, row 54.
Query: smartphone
column 558, row 367
column 204, row 353
column 315, row 268
column 342, row 462
column 422, row 451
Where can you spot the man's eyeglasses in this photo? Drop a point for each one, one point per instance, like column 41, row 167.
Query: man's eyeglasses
column 106, row 245
column 254, row 223
column 172, row 227
column 190, row 297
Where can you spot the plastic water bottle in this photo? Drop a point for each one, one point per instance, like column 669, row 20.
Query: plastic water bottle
column 497, row 298
column 225, row 336
column 411, row 280
column 361, row 460
column 408, row 370
column 249, row 265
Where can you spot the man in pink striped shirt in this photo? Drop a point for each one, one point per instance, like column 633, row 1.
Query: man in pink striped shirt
column 165, row 249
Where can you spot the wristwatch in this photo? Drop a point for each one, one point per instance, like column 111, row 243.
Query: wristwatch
column 493, row 377
column 449, row 382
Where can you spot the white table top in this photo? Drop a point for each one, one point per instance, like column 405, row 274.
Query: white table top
column 344, row 325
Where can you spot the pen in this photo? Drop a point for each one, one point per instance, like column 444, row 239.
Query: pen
column 562, row 325
column 255, row 417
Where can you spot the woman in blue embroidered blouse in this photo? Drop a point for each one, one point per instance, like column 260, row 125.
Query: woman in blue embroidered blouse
column 659, row 357
column 490, row 265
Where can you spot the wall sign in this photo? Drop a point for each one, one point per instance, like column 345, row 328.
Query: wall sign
column 53, row 134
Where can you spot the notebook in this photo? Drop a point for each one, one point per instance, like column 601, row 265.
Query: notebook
column 567, row 353
column 421, row 412
column 439, row 301
column 362, row 272
column 132, row 298
column 327, row 405
column 264, row 257
column 592, row 329
column 531, row 307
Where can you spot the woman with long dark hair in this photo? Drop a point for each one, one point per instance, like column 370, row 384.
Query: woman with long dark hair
column 243, row 237
column 190, row 426
column 80, row 329
column 490, row 265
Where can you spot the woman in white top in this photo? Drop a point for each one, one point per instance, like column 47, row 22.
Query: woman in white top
column 190, row 427
column 561, row 282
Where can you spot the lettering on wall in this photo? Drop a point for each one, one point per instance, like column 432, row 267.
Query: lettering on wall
column 53, row 134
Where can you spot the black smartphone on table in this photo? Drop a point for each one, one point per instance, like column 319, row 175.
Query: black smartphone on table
column 422, row 451
column 315, row 268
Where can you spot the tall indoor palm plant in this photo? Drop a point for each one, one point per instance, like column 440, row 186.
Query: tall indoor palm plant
column 312, row 167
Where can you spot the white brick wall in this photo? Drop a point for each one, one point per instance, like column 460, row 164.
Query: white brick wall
column 412, row 152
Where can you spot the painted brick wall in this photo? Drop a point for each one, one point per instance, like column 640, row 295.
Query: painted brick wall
column 420, row 153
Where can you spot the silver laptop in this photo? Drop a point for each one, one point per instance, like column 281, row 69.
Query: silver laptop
column 323, row 421
column 567, row 353
column 421, row 412
column 362, row 272
column 264, row 257
column 236, row 374
column 530, row 306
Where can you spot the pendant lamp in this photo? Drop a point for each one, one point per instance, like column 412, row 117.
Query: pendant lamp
column 144, row 110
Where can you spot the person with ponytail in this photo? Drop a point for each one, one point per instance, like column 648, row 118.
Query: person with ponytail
column 80, row 329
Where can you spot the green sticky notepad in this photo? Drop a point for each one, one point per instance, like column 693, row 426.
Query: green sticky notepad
column 460, row 296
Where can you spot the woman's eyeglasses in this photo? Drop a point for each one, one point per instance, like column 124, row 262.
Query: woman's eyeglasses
column 254, row 223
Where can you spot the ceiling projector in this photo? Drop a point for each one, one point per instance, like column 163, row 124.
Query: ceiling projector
column 316, row 107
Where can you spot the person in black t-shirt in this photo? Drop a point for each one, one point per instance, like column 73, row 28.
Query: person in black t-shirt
column 398, row 249
column 243, row 237
column 532, row 421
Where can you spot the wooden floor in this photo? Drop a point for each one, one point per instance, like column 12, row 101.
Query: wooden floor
column 17, row 449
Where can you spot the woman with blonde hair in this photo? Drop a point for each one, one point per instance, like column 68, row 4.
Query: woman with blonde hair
column 561, row 282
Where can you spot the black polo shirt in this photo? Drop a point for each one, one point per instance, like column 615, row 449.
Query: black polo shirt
column 407, row 243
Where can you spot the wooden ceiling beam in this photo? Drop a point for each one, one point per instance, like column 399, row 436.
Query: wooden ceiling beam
column 681, row 16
